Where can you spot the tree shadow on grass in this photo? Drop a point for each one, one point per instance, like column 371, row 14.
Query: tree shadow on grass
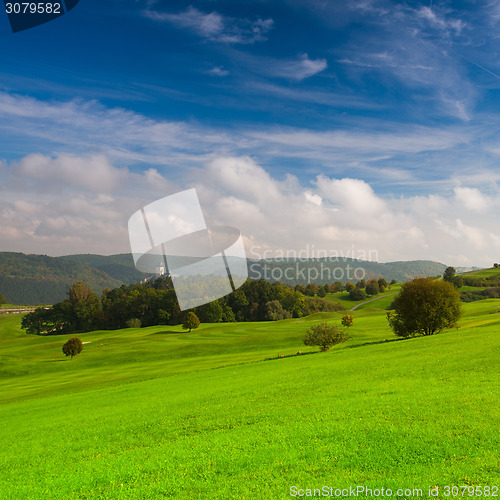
column 166, row 332
column 374, row 343
column 283, row 356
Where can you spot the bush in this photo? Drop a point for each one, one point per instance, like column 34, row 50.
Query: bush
column 347, row 320
column 357, row 294
column 325, row 336
column 73, row 347
column 134, row 323
column 424, row 307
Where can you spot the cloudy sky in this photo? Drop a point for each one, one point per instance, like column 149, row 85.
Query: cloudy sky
column 365, row 125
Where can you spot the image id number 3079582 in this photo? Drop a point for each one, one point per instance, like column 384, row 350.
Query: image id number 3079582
column 33, row 8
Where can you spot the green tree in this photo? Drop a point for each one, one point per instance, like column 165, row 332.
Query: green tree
column 325, row 336
column 372, row 287
column 382, row 283
column 3, row 300
column 357, row 294
column 133, row 323
column 425, row 306
column 361, row 283
column 311, row 290
column 449, row 274
column 86, row 306
column 275, row 311
column 73, row 347
column 349, row 286
column 191, row 321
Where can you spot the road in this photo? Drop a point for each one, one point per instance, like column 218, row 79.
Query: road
column 371, row 300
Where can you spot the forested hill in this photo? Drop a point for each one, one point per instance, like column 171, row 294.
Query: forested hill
column 39, row 279
column 327, row 270
column 120, row 267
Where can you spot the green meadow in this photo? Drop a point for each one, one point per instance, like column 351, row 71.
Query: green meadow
column 217, row 413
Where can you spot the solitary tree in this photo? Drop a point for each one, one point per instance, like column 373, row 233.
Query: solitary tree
column 3, row 300
column 449, row 273
column 191, row 321
column 325, row 336
column 425, row 306
column 73, row 347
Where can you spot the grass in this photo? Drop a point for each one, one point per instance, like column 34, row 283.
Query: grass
column 159, row 413
column 343, row 297
column 482, row 273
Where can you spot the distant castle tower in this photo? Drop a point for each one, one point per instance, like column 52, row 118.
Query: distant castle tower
column 160, row 269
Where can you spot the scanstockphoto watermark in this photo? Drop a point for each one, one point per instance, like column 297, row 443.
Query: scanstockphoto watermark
column 310, row 264
column 446, row 491
column 298, row 272
column 358, row 491
column 311, row 252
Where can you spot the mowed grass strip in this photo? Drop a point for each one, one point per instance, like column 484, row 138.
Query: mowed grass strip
column 416, row 413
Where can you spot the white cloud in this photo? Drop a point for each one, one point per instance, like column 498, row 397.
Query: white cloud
column 472, row 199
column 218, row 71
column 216, row 27
column 330, row 213
column 295, row 69
column 94, row 173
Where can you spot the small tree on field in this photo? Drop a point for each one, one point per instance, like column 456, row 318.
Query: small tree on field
column 73, row 347
column 325, row 336
column 347, row 320
column 424, row 307
column 191, row 321
column 349, row 286
column 3, row 300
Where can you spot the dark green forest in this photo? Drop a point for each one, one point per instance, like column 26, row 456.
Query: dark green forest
column 155, row 303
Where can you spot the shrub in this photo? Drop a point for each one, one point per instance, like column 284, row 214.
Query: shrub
column 325, row 336
column 73, row 347
column 347, row 320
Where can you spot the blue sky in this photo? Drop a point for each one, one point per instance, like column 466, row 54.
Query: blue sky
column 363, row 124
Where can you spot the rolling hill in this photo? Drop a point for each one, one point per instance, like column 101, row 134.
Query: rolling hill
column 218, row 414
column 40, row 279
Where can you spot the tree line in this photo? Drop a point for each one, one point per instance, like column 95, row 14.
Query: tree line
column 155, row 303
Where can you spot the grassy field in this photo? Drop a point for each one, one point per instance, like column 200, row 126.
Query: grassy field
column 160, row 413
